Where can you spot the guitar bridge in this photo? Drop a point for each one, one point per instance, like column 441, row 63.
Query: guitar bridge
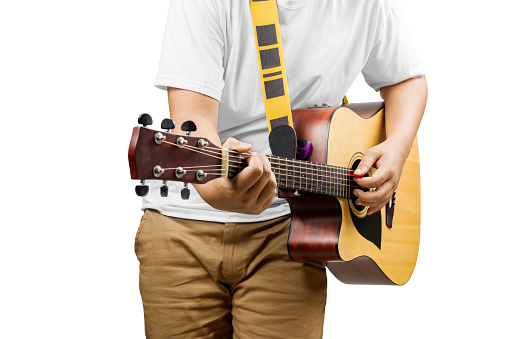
column 390, row 209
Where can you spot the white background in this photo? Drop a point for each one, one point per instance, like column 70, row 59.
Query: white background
column 74, row 76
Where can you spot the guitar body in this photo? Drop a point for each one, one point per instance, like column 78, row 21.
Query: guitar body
column 358, row 249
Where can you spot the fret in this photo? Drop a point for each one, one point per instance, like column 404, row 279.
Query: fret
column 336, row 182
column 286, row 168
column 293, row 177
column 339, row 182
column 343, row 185
column 311, row 177
column 308, row 186
column 315, row 176
column 306, row 168
column 306, row 177
column 301, row 176
column 324, row 170
column 279, row 173
column 326, row 180
column 319, row 180
column 283, row 172
column 339, row 186
column 333, row 179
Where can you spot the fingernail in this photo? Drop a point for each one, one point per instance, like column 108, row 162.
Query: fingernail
column 244, row 144
column 355, row 192
column 358, row 202
column 358, row 171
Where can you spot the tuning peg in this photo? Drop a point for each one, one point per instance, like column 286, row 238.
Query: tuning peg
column 164, row 189
column 189, row 126
column 303, row 149
column 185, row 192
column 167, row 124
column 142, row 190
column 145, row 119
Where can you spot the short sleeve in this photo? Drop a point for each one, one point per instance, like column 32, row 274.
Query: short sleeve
column 393, row 57
column 193, row 48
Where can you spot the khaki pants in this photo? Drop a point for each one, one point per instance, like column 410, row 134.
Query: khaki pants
column 211, row 280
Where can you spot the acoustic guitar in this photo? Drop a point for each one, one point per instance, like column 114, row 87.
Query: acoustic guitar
column 326, row 226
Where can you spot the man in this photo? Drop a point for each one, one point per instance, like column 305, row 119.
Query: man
column 216, row 265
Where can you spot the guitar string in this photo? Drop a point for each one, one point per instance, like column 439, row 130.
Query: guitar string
column 319, row 183
column 282, row 175
column 218, row 151
column 328, row 174
column 286, row 173
column 327, row 168
column 326, row 190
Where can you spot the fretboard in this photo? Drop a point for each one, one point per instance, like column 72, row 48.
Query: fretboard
column 304, row 176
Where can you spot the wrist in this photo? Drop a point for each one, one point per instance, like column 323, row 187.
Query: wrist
column 401, row 144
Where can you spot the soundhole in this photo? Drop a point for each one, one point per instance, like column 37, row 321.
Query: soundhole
column 358, row 208
column 359, row 211
column 368, row 227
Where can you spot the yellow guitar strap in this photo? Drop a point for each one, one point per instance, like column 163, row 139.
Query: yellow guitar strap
column 271, row 62
column 272, row 70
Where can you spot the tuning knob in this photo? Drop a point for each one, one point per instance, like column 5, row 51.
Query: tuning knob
column 167, row 124
column 142, row 190
column 145, row 119
column 189, row 126
column 185, row 192
column 164, row 189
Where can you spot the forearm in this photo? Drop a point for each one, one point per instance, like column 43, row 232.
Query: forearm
column 404, row 106
column 254, row 188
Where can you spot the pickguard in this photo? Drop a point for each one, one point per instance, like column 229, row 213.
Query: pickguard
column 369, row 226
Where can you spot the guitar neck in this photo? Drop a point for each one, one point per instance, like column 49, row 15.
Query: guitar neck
column 304, row 176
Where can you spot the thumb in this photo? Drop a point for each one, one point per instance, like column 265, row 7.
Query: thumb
column 369, row 159
column 237, row 145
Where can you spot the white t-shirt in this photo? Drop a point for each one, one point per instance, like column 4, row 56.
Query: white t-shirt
column 209, row 48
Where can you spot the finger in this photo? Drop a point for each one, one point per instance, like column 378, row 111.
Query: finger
column 369, row 159
column 370, row 198
column 267, row 195
column 376, row 180
column 374, row 209
column 371, row 208
column 237, row 145
column 266, row 177
column 249, row 176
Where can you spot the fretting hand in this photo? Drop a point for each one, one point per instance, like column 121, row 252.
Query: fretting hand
column 250, row 192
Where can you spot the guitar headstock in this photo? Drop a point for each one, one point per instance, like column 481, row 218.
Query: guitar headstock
column 159, row 155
